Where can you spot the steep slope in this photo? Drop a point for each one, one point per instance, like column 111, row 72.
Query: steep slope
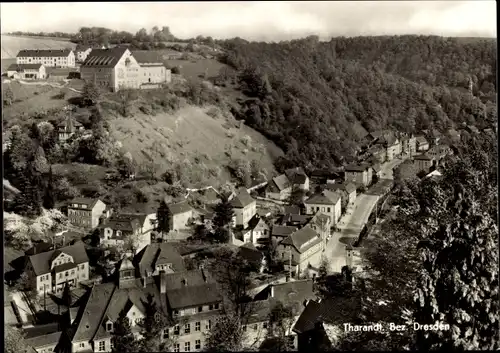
column 307, row 95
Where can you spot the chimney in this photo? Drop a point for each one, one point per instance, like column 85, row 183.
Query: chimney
column 163, row 284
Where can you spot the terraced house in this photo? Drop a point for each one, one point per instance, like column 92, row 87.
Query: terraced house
column 113, row 69
column 50, row 271
column 47, row 57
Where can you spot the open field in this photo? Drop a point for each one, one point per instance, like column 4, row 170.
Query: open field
column 193, row 135
column 192, row 69
column 34, row 98
column 12, row 44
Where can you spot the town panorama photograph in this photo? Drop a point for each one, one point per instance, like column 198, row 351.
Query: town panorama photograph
column 250, row 176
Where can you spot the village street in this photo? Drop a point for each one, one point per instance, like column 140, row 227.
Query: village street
column 356, row 216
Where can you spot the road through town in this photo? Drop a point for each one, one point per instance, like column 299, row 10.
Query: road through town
column 353, row 221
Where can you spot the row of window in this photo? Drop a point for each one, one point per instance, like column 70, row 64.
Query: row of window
column 192, row 311
column 255, row 327
column 78, row 212
column 47, row 350
column 187, row 346
column 322, row 209
column 59, row 288
column 187, row 329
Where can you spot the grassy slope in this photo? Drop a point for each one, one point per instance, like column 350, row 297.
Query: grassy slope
column 188, row 134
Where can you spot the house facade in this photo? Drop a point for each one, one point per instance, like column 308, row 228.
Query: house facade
column 27, row 71
column 360, row 174
column 113, row 69
column 153, row 72
column 85, row 212
column 393, row 149
column 67, row 128
column 298, row 178
column 409, row 144
column 126, row 230
column 327, row 202
column 423, row 162
column 422, row 144
column 297, row 249
column 347, row 191
column 258, row 231
column 279, row 188
column 244, row 207
column 195, row 302
column 47, row 57
column 158, row 258
column 181, row 214
column 51, row 270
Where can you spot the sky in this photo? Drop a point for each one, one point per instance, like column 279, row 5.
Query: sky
column 262, row 21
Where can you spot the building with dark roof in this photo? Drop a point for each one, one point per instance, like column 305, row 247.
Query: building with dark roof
column 244, row 207
column 256, row 233
column 67, row 127
column 181, row 213
column 360, row 174
column 51, row 270
column 113, row 69
column 47, row 57
column 43, row 338
column 85, row 212
column 422, row 144
column 153, row 69
column 280, row 232
column 298, row 178
column 297, row 249
column 424, row 162
column 27, row 71
column 125, row 230
column 158, row 258
column 279, row 188
column 327, row 202
column 347, row 192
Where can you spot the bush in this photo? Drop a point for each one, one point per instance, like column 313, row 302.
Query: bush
column 175, row 70
column 61, row 95
column 146, row 110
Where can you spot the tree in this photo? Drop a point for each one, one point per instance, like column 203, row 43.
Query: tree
column 296, row 196
column 29, row 201
column 49, row 197
column 126, row 165
column 324, row 267
column 125, row 99
column 223, row 214
column 226, row 335
column 123, row 340
column 281, row 319
column 91, row 93
column 8, row 96
column 163, row 215
column 459, row 283
column 153, row 325
column 255, row 169
column 14, row 340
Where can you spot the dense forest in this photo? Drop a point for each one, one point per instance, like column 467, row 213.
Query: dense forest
column 318, row 99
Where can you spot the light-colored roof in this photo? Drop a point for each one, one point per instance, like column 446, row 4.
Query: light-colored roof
column 281, row 182
column 301, row 237
column 180, row 207
column 242, row 199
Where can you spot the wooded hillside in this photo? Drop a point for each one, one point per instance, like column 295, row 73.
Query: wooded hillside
column 312, row 98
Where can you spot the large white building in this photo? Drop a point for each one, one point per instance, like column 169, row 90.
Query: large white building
column 47, row 57
column 119, row 68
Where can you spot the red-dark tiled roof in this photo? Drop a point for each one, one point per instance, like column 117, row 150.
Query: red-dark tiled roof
column 299, row 238
column 242, row 199
column 159, row 253
column 180, row 207
column 107, row 58
column 282, row 231
column 41, row 262
column 22, row 67
column 43, row 53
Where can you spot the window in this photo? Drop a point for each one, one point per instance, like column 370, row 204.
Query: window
column 216, row 306
column 176, row 330
column 177, row 347
column 200, row 309
column 82, row 267
column 197, row 326
column 166, row 334
column 255, row 327
column 187, row 346
column 197, row 344
column 60, row 275
column 72, row 272
column 210, row 307
column 109, row 326
column 328, row 209
column 244, row 328
column 102, row 346
column 41, row 289
column 176, row 312
column 187, row 328
column 209, row 324
column 264, row 325
column 82, row 345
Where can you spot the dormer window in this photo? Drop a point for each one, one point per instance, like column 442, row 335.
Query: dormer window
column 176, row 312
column 109, row 326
